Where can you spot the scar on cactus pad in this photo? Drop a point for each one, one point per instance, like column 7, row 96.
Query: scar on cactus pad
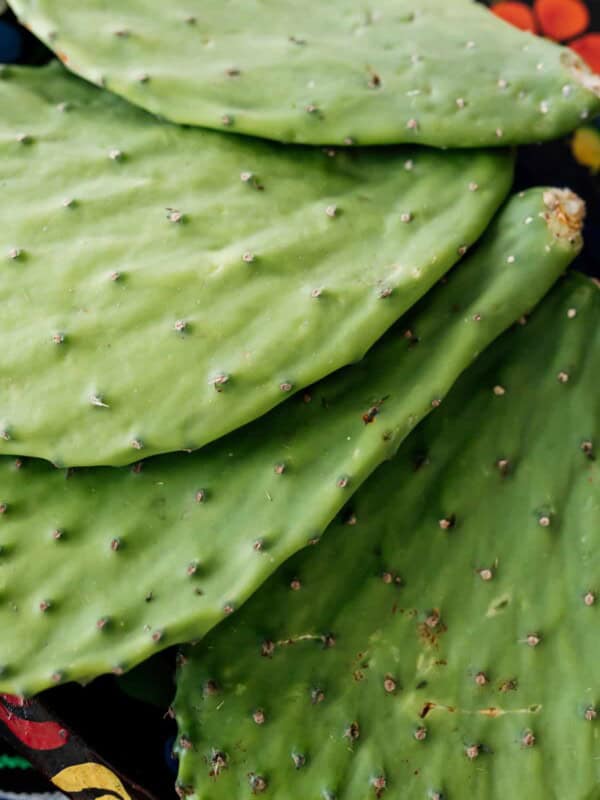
column 127, row 562
column 447, row 74
column 225, row 273
column 451, row 662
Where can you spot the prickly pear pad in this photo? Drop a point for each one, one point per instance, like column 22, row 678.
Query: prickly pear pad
column 439, row 72
column 161, row 287
column 447, row 644
column 100, row 568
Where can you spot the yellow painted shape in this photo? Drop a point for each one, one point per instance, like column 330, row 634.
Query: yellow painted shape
column 585, row 147
column 90, row 776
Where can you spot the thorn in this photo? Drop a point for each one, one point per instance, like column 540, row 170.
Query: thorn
column 219, row 381
column 248, row 257
column 286, row 386
column 200, row 496
column 279, row 469
column 137, row 444
column 481, row 679
column 96, row 400
column 295, row 585
column 389, row 684
column 267, row 648
column 174, row 215
column 447, row 523
column 460, row 102
column 115, row 154
column 58, row 338
column 115, row 544
column 544, row 521
column 533, row 639
column 528, row 739
column 226, row 120
column 14, row 253
column 299, row 760
column 259, row 716
column 433, row 619
column 45, row 605
column 499, row 391
column 343, row 482
column 589, row 598
column 590, row 714
column 210, row 688
column 258, row 784
column 472, row 752
column 412, row 125
column 420, row 734
column 317, row 696
column 331, row 211
column 352, row 732
column 180, row 325
column 486, row 574
column 473, row 187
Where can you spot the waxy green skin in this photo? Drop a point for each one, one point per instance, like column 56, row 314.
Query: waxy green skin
column 483, row 635
column 161, row 287
column 445, row 73
column 102, row 567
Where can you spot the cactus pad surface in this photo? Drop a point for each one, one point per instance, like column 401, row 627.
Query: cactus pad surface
column 161, row 287
column 447, row 645
column 438, row 72
column 101, row 567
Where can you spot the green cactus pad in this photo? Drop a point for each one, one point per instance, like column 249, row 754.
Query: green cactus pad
column 102, row 567
column 447, row 645
column 439, row 72
column 161, row 287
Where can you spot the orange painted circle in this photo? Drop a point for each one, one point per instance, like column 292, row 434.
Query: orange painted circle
column 561, row 19
column 518, row 14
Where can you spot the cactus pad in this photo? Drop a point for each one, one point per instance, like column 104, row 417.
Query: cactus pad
column 161, row 287
column 439, row 72
column 101, row 567
column 447, row 645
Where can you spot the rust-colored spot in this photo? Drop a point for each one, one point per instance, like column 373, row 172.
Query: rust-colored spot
column 428, row 706
column 62, row 56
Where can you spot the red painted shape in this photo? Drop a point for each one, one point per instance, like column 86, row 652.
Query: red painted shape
column 14, row 700
column 518, row 14
column 35, row 735
column 588, row 47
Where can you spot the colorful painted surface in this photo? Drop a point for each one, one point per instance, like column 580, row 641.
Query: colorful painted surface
column 565, row 21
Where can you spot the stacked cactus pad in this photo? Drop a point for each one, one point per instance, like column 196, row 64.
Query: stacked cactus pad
column 210, row 345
